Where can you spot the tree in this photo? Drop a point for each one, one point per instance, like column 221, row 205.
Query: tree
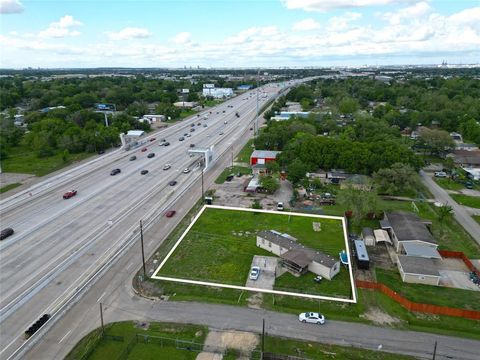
column 398, row 179
column 256, row 204
column 437, row 141
column 445, row 212
column 269, row 183
column 359, row 202
column 348, row 105
column 296, row 171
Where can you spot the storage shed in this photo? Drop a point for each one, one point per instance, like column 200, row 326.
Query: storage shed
column 363, row 261
column 368, row 236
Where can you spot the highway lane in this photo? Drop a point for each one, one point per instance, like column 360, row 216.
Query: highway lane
column 54, row 283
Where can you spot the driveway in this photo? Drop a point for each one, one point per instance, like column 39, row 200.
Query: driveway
column 268, row 266
column 460, row 214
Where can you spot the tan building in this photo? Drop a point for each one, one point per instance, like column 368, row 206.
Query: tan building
column 297, row 258
column 418, row 270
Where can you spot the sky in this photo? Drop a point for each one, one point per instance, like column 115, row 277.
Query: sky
column 237, row 33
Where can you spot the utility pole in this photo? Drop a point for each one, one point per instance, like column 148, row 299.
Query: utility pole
column 203, row 196
column 101, row 319
column 143, row 253
column 434, row 350
column 263, row 336
column 256, row 119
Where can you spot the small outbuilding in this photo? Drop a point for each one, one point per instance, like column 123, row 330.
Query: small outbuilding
column 368, row 236
column 382, row 236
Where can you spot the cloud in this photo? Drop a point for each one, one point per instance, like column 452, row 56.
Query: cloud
column 129, row 33
column 10, row 7
column 305, row 25
column 61, row 28
column 326, row 5
column 181, row 38
column 337, row 23
column 409, row 13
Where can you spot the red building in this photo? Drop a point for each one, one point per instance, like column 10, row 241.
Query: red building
column 263, row 156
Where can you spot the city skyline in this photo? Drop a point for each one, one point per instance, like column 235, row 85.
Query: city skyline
column 230, row 33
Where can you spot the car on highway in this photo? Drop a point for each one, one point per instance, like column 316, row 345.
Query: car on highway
column 133, row 158
column 172, row 183
column 170, row 213
column 70, row 194
column 311, row 317
column 225, row 122
column 181, row 138
column 205, row 125
column 152, row 139
column 115, row 172
column 166, row 143
column 167, row 166
column 192, row 125
column 223, row 111
column 144, row 172
column 221, row 133
column 251, row 128
column 192, row 145
column 192, row 130
column 199, row 124
column 151, row 155
column 186, row 170
column 254, row 273
column 188, row 135
column 144, row 149
column 6, row 233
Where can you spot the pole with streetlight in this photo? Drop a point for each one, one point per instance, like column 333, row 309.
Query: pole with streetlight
column 143, row 252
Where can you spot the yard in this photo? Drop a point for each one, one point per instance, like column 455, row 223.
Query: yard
column 222, row 243
column 244, row 154
column 8, row 187
column 120, row 334
column 232, row 171
column 470, row 201
column 449, row 184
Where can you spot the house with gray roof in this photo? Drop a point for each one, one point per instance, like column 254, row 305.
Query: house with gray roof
column 418, row 270
column 406, row 227
column 297, row 258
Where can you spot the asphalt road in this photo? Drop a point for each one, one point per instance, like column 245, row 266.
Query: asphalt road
column 59, row 244
column 460, row 214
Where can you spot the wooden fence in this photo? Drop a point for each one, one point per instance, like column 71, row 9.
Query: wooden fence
column 418, row 307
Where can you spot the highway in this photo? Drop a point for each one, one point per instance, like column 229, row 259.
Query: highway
column 60, row 245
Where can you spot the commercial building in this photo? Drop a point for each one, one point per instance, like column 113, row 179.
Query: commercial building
column 263, row 156
column 209, row 90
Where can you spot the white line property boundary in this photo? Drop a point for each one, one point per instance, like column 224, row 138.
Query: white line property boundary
column 206, row 283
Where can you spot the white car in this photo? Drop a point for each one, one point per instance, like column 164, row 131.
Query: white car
column 186, row 170
column 441, row 174
column 312, row 317
column 254, row 273
column 167, row 166
column 280, row 206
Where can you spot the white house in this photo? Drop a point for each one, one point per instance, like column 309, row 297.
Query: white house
column 296, row 257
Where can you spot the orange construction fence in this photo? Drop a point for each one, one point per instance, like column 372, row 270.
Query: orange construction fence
column 418, row 307
column 459, row 255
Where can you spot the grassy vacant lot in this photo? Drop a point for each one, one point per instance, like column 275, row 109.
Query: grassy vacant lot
column 322, row 351
column 449, row 184
column 464, row 299
column 222, row 243
column 476, row 218
column 25, row 161
column 244, row 154
column 8, row 187
column 470, row 201
column 107, row 348
column 232, row 170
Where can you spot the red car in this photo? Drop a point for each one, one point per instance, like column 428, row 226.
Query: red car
column 70, row 194
column 170, row 213
column 153, row 139
column 144, row 149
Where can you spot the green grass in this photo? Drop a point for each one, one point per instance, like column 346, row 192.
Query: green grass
column 449, row 184
column 244, row 154
column 428, row 294
column 8, row 187
column 470, row 201
column 215, row 237
column 186, row 113
column 211, row 103
column 232, row 170
column 476, row 218
column 111, row 349
column 26, row 161
column 311, row 350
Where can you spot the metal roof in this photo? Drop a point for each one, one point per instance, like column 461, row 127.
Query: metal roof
column 407, row 227
column 361, row 250
column 418, row 265
column 413, row 249
column 366, row 231
column 264, row 154
column 382, row 235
